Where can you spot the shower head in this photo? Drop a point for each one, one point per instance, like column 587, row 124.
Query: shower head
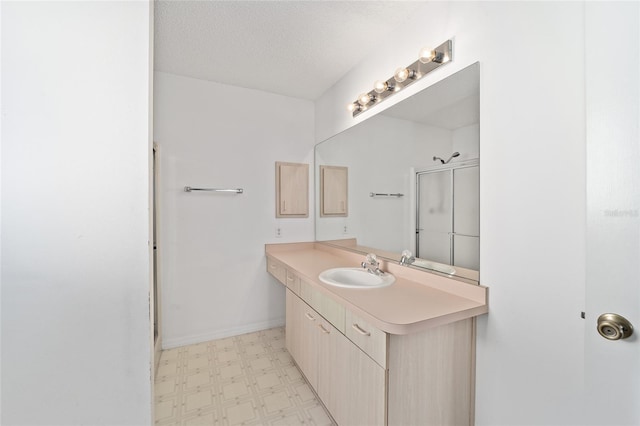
column 455, row 154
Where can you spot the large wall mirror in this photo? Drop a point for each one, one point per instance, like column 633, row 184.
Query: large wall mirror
column 413, row 180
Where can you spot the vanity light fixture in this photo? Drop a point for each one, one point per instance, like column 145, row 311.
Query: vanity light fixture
column 428, row 60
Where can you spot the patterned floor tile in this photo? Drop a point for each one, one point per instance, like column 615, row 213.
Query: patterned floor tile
column 206, row 419
column 242, row 380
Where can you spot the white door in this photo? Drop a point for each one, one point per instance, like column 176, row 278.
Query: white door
column 612, row 368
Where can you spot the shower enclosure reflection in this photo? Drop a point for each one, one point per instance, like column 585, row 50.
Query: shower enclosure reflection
column 447, row 215
column 427, row 149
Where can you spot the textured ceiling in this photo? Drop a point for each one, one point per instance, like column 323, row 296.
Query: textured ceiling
column 294, row 48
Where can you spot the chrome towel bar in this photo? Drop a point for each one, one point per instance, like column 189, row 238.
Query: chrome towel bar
column 377, row 194
column 237, row 190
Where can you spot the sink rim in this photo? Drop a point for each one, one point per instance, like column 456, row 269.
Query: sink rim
column 385, row 280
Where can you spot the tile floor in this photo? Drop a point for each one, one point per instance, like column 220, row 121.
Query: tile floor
column 242, row 380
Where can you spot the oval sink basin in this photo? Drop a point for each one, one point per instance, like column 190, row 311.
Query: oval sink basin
column 355, row 278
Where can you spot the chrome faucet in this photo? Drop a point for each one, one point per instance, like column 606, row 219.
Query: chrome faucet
column 371, row 264
column 407, row 258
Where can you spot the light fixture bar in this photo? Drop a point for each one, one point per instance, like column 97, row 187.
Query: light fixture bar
column 403, row 77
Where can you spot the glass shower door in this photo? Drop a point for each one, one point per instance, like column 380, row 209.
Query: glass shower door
column 465, row 239
column 447, row 217
column 434, row 224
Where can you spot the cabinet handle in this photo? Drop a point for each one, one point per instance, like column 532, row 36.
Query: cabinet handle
column 357, row 328
column 284, row 206
column 324, row 330
column 309, row 316
column 289, row 278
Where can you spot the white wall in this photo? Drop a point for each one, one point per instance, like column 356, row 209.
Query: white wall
column 76, row 337
column 213, row 268
column 530, row 346
column 466, row 141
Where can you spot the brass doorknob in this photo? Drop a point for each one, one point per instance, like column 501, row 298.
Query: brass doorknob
column 614, row 327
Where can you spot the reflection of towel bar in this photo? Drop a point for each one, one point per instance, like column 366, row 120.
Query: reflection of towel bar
column 457, row 234
column 237, row 190
column 377, row 194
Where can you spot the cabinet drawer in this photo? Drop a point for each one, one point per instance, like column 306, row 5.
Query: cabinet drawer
column 278, row 270
column 331, row 310
column 328, row 308
column 370, row 339
column 293, row 281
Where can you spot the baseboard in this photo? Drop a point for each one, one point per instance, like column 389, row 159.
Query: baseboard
column 221, row 334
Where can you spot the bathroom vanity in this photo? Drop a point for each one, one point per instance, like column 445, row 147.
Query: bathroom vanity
column 403, row 354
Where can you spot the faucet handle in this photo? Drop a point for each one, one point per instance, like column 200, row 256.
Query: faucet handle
column 372, row 259
column 406, row 258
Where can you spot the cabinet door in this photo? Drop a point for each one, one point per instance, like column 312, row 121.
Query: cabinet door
column 438, row 366
column 302, row 336
column 293, row 328
column 351, row 385
column 333, row 191
column 292, row 190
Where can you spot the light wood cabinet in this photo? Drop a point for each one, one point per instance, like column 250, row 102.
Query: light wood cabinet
column 327, row 307
column 277, row 269
column 349, row 383
column 365, row 376
column 431, row 376
column 373, row 341
column 334, row 191
column 293, row 281
column 292, row 190
column 302, row 336
column 283, row 274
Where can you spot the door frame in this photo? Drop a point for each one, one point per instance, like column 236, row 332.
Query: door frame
column 156, row 254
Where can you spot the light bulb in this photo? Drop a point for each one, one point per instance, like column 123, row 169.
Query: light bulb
column 382, row 86
column 401, row 74
column 364, row 99
column 353, row 106
column 426, row 55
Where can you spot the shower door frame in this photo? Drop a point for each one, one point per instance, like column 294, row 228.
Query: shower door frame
column 438, row 169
